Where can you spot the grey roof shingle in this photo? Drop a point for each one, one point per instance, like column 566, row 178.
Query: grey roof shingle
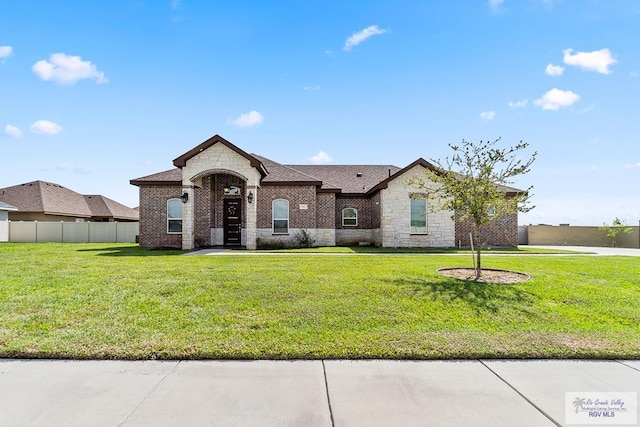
column 350, row 179
column 106, row 207
column 171, row 176
column 347, row 179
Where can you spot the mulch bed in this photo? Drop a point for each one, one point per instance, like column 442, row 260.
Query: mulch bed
column 487, row 275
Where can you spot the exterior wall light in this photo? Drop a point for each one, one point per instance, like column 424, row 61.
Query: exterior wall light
column 184, row 197
column 250, row 197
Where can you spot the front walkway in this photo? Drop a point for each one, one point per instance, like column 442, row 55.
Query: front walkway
column 303, row 393
column 586, row 250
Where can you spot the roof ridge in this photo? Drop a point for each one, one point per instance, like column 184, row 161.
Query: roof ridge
column 315, row 178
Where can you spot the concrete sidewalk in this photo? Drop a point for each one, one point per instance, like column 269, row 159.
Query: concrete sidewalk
column 301, row 393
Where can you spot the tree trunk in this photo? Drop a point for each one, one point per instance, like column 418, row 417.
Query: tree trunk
column 478, row 250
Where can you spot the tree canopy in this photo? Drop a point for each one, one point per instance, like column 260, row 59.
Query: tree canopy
column 473, row 183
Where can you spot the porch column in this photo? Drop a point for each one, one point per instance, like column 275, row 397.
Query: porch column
column 252, row 216
column 188, row 220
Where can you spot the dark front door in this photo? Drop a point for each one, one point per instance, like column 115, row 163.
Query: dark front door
column 232, row 221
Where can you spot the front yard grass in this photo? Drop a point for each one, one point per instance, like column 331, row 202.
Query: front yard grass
column 119, row 301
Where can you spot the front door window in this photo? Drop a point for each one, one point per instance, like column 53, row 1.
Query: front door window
column 232, row 222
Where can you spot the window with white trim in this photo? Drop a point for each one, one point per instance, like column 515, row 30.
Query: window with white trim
column 174, row 216
column 418, row 215
column 280, row 212
column 349, row 217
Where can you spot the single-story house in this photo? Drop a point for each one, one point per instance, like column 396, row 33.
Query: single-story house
column 47, row 201
column 4, row 220
column 218, row 194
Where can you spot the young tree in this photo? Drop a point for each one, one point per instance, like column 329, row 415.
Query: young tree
column 616, row 228
column 473, row 184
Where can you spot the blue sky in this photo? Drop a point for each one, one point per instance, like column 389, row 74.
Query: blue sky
column 94, row 94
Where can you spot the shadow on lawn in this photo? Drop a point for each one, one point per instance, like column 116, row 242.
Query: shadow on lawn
column 131, row 251
column 483, row 297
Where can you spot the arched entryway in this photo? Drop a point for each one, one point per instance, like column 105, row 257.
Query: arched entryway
column 219, row 209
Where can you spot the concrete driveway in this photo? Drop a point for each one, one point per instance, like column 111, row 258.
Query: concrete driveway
column 304, row 393
column 593, row 250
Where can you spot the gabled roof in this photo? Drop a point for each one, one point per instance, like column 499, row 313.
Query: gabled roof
column 54, row 199
column 345, row 179
column 181, row 161
column 385, row 183
column 168, row 177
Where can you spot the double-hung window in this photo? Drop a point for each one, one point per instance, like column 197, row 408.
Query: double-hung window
column 418, row 215
column 174, row 216
column 349, row 217
column 280, row 211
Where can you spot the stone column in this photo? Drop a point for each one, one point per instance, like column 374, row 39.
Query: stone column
column 188, row 220
column 252, row 216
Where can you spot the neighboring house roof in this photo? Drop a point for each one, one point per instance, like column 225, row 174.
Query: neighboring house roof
column 7, row 207
column 54, row 199
column 105, row 207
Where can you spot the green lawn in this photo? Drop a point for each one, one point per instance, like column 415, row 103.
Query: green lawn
column 118, row 301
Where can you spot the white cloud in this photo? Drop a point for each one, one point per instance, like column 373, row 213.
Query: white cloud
column 311, row 88
column 320, row 158
column 251, row 118
column 70, row 167
column 45, row 127
column 554, row 70
column 361, row 36
column 5, row 52
column 488, row 115
column 518, row 104
column 598, row 60
column 632, row 165
column 556, row 98
column 66, row 69
column 176, row 4
column 12, row 131
column 495, row 5
column 633, row 74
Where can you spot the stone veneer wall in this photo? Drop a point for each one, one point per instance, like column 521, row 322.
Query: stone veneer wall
column 153, row 216
column 502, row 232
column 354, row 237
column 395, row 204
column 217, row 159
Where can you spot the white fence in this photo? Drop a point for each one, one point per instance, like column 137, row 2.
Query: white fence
column 73, row 232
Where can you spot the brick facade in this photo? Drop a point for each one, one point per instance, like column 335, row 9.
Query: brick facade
column 502, row 232
column 153, row 216
column 315, row 206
